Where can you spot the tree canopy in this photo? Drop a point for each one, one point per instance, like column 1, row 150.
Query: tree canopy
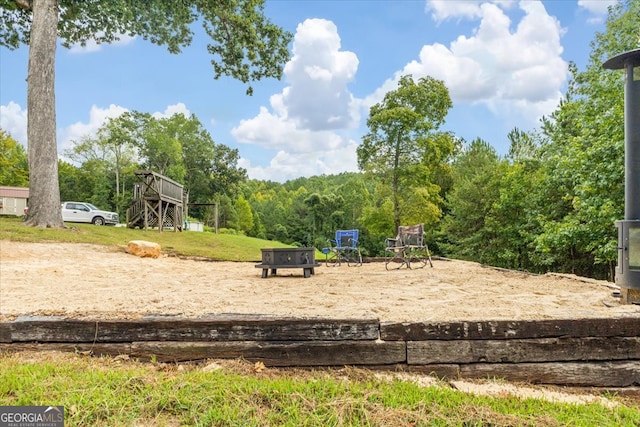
column 244, row 45
column 13, row 162
column 403, row 145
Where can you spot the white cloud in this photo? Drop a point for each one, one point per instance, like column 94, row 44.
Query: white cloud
column 287, row 165
column 597, row 7
column 441, row 10
column 305, row 119
column 77, row 130
column 518, row 73
column 91, row 45
column 13, row 119
column 318, row 73
column 98, row 116
column 178, row 108
column 300, row 152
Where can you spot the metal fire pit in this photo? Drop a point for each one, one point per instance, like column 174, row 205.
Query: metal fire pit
column 275, row 258
column 628, row 269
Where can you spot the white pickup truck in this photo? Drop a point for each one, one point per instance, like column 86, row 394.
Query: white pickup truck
column 86, row 212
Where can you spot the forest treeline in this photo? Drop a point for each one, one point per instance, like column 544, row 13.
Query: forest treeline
column 550, row 204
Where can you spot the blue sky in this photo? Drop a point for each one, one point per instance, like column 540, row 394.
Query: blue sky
column 505, row 64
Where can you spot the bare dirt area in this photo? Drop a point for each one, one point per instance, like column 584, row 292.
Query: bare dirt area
column 100, row 282
column 91, row 281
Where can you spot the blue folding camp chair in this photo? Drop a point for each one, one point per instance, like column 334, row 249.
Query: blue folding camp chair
column 343, row 249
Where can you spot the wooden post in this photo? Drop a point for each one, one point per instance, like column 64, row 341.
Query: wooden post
column 186, row 207
column 215, row 214
column 146, row 215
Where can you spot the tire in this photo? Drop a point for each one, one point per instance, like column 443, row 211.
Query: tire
column 97, row 220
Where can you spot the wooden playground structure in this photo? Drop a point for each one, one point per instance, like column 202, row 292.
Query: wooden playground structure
column 158, row 202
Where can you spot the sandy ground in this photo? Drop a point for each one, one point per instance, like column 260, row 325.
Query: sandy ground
column 89, row 281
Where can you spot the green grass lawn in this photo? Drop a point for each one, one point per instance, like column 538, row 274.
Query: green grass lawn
column 120, row 392
column 223, row 247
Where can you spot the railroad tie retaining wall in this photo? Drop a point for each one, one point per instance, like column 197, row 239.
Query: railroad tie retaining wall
column 573, row 352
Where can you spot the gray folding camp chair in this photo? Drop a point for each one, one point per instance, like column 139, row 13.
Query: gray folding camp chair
column 408, row 248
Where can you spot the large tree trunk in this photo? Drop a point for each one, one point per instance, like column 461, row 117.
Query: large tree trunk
column 44, row 189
